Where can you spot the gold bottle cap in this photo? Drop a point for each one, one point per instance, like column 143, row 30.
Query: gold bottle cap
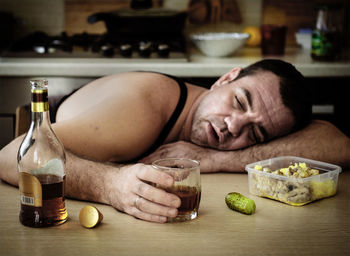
column 90, row 217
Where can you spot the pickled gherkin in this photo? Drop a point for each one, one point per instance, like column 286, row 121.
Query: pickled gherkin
column 240, row 203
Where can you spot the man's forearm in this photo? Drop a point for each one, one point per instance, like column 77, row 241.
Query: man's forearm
column 125, row 187
column 88, row 180
column 8, row 161
column 319, row 141
column 85, row 179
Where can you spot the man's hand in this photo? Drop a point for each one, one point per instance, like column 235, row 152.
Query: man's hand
column 182, row 149
column 130, row 191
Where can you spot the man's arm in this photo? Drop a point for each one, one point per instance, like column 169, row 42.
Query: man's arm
column 117, row 185
column 319, row 141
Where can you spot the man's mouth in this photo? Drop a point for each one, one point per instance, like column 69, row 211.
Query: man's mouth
column 215, row 134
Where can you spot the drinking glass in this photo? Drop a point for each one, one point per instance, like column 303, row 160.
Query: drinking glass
column 187, row 185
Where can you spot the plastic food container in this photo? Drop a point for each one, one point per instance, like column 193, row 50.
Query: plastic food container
column 291, row 190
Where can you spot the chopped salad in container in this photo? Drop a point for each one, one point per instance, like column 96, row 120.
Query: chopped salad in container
column 293, row 180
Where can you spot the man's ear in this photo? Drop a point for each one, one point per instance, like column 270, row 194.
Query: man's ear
column 226, row 78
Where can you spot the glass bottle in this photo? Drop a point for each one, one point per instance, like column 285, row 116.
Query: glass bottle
column 326, row 37
column 41, row 166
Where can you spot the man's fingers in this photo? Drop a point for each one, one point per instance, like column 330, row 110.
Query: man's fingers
column 147, row 206
column 146, row 216
column 156, row 195
column 150, row 174
column 143, row 209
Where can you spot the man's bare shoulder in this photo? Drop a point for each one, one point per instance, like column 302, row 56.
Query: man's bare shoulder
column 117, row 116
column 133, row 88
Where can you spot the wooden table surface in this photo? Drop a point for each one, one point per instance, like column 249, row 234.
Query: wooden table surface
column 319, row 228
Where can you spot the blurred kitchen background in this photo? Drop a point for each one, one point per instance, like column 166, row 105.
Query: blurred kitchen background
column 24, row 22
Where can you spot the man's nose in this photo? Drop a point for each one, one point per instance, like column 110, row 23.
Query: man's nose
column 235, row 123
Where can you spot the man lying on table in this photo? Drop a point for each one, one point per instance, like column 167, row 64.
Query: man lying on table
column 124, row 118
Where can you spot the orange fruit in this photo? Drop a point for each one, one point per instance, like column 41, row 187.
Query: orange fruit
column 255, row 36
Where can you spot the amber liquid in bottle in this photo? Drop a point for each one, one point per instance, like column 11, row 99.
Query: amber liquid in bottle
column 53, row 211
column 41, row 161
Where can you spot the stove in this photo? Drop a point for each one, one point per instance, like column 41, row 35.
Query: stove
column 85, row 45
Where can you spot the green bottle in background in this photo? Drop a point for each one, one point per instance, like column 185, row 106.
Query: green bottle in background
column 326, row 37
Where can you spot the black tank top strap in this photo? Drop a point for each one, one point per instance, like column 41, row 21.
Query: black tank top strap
column 171, row 122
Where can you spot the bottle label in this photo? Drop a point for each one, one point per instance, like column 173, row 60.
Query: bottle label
column 30, row 190
column 39, row 101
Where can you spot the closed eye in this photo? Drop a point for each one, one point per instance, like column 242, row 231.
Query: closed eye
column 239, row 103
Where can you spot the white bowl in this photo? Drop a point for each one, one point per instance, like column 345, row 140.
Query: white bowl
column 219, row 44
column 304, row 40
